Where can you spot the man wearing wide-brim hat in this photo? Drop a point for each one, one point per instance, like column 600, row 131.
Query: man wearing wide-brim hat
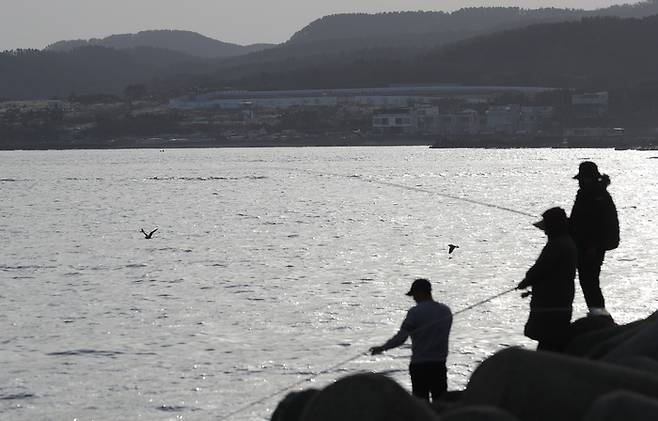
column 594, row 226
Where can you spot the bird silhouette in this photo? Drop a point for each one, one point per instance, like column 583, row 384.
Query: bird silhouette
column 149, row 235
column 451, row 248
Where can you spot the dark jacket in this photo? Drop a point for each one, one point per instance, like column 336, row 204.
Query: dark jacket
column 552, row 281
column 594, row 221
column 552, row 275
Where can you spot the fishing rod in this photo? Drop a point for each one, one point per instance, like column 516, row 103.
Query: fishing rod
column 353, row 358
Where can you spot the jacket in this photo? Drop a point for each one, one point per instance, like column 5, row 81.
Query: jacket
column 594, row 221
column 552, row 281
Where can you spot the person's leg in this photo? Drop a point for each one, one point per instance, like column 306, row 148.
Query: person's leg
column 555, row 332
column 589, row 270
column 419, row 381
column 438, row 380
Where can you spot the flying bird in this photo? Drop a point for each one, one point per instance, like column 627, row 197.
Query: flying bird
column 451, row 248
column 149, row 235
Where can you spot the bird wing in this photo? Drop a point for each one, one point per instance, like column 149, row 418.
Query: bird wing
column 151, row 233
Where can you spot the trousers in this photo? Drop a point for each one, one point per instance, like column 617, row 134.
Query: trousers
column 589, row 270
column 428, row 377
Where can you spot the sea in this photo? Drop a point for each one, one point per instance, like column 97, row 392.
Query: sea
column 274, row 270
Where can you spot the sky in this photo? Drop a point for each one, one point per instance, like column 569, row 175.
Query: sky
column 37, row 23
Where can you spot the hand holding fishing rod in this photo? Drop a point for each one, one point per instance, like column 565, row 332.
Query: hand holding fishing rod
column 523, row 285
column 375, row 350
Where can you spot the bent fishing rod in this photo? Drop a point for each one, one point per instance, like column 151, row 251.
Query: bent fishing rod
column 364, row 353
column 354, row 358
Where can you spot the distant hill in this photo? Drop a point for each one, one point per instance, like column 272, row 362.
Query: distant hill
column 595, row 53
column 592, row 53
column 436, row 28
column 185, row 42
column 87, row 70
column 400, row 35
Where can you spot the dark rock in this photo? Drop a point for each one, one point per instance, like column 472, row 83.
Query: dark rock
column 367, row 397
column 598, row 341
column 654, row 316
column 643, row 343
column 644, row 364
column 589, row 324
column 545, row 386
column 623, row 406
column 450, row 399
column 292, row 406
column 478, row 413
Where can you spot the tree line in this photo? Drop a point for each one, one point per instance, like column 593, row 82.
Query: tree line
column 591, row 53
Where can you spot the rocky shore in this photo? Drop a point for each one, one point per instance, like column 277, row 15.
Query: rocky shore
column 607, row 372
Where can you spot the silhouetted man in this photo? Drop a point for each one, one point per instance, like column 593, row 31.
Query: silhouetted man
column 595, row 229
column 428, row 323
column 552, row 281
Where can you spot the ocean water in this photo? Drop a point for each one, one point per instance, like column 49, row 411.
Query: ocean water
column 270, row 266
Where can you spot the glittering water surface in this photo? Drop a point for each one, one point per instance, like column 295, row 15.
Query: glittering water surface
column 271, row 265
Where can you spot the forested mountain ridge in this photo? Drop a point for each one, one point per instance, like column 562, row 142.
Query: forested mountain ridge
column 586, row 53
column 596, row 53
column 593, row 53
column 185, row 42
column 398, row 35
column 33, row 74
column 392, row 25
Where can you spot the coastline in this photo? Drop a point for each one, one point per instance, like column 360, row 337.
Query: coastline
column 341, row 140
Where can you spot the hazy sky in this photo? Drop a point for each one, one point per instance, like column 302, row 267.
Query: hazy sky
column 36, row 23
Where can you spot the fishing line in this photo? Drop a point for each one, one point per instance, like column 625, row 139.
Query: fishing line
column 349, row 360
column 413, row 188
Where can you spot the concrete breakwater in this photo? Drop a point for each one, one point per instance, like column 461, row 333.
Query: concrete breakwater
column 607, row 372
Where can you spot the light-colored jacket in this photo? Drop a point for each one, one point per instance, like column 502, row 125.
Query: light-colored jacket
column 428, row 323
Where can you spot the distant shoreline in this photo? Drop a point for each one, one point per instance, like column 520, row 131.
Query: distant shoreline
column 463, row 142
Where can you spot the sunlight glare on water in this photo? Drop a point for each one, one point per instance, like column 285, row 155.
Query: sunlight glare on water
column 270, row 265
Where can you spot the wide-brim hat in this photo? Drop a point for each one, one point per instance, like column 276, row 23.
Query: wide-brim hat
column 552, row 217
column 587, row 169
column 420, row 285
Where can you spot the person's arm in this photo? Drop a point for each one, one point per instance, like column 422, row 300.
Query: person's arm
column 542, row 266
column 609, row 225
column 398, row 339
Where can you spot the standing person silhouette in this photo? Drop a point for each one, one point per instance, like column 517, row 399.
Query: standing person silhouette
column 594, row 227
column 552, row 281
column 428, row 323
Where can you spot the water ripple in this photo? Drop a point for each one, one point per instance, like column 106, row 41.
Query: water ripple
column 17, row 396
column 83, row 352
column 176, row 408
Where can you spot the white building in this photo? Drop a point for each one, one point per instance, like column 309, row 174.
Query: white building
column 503, row 118
column 517, row 119
column 462, row 122
column 393, row 121
column 428, row 119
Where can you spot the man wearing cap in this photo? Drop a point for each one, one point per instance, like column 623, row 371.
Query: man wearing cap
column 552, row 281
column 595, row 228
column 428, row 323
